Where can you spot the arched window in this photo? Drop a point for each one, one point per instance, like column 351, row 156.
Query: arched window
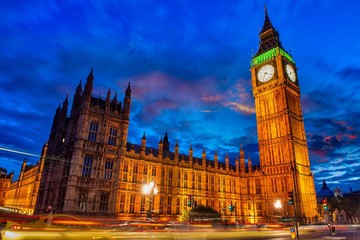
column 86, row 171
column 112, row 136
column 93, row 130
column 108, row 169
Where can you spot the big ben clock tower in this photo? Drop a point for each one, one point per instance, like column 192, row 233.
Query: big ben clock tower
column 284, row 158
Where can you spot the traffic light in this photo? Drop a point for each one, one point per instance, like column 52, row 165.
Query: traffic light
column 290, row 196
column 324, row 203
column 189, row 200
column 230, row 206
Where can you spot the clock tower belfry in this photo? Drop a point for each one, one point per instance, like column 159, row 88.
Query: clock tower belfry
column 284, row 158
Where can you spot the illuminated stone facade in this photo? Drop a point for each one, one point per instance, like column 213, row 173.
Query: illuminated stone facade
column 23, row 193
column 90, row 168
column 5, row 181
column 284, row 157
column 209, row 182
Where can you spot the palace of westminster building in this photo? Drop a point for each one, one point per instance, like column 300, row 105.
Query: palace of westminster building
column 88, row 167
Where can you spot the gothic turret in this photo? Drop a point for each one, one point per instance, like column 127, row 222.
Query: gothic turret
column 249, row 165
column 269, row 37
column 127, row 101
column 166, row 143
column 76, row 100
column 227, row 162
column 191, row 155
column 161, row 148
column 107, row 101
column 203, row 158
column 236, row 164
column 216, row 160
column 242, row 160
column 64, row 109
column 89, row 85
column 176, row 151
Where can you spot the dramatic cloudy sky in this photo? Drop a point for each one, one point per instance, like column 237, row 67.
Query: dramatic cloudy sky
column 188, row 63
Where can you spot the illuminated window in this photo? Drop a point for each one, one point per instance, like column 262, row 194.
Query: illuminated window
column 134, row 177
column 257, row 186
column 169, row 205
column 145, row 170
column 162, row 206
column 199, row 181
column 178, row 206
column 142, row 206
column 108, row 169
column 86, row 171
column 153, row 171
column 170, row 178
column 162, row 179
column 132, row 203
column 185, row 180
column 122, row 203
column 135, row 171
column 234, row 186
column 112, row 136
column 93, row 130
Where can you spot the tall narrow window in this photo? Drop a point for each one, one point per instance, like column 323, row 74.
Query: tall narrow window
column 153, row 173
column 122, row 203
column 108, row 169
column 199, row 181
column 257, row 186
column 169, row 205
column 145, row 170
column 86, row 170
column 142, row 205
column 93, row 130
column 82, row 201
column 178, row 206
column 112, row 136
column 104, row 201
column 170, row 178
column 132, row 203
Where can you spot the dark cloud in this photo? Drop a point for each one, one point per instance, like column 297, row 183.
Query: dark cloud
column 351, row 73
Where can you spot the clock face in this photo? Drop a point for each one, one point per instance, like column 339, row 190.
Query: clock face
column 265, row 73
column 290, row 72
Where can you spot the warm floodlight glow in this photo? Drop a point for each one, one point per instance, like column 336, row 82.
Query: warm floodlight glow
column 278, row 204
column 146, row 189
column 155, row 190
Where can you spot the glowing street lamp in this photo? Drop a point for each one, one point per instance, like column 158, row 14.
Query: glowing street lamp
column 278, row 206
column 150, row 190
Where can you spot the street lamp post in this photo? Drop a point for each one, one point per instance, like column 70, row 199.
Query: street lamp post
column 278, row 206
column 150, row 190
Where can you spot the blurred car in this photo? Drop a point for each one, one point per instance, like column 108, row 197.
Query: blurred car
column 55, row 227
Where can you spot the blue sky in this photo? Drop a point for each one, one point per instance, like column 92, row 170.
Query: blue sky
column 188, row 63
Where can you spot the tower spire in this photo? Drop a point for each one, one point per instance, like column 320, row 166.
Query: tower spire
column 89, row 84
column 269, row 37
column 265, row 10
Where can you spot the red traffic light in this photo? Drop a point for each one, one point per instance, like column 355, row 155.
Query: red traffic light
column 290, row 197
column 189, row 202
